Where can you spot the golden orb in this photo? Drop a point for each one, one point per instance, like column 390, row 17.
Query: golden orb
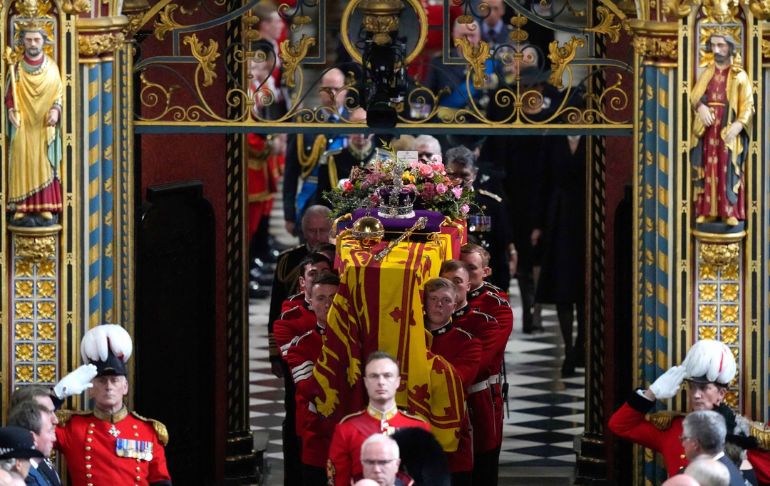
column 368, row 230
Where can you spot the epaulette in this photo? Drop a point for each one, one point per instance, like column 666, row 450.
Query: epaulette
column 761, row 432
column 296, row 296
column 285, row 315
column 492, row 287
column 662, row 420
column 350, row 416
column 494, row 196
column 412, row 415
column 65, row 415
column 160, row 429
column 469, row 335
column 499, row 299
column 486, row 316
column 296, row 339
column 282, row 270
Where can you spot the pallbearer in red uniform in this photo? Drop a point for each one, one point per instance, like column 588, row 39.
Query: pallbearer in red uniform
column 480, row 401
column 297, row 318
column 708, row 369
column 313, row 429
column 491, row 300
column 463, row 352
column 109, row 445
column 381, row 378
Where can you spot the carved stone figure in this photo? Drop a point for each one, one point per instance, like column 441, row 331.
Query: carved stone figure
column 723, row 105
column 34, row 101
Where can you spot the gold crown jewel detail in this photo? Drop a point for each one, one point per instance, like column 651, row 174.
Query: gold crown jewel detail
column 32, row 15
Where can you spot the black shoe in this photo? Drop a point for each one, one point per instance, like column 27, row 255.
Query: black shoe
column 568, row 367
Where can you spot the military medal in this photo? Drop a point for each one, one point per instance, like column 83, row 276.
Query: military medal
column 134, row 449
column 114, row 431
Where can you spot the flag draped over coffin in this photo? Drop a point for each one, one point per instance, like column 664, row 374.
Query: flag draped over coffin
column 378, row 307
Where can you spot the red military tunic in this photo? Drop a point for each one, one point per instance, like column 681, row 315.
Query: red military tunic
column 293, row 323
column 463, row 352
column 493, row 301
column 314, row 429
column 293, row 301
column 131, row 453
column 345, row 450
column 661, row 432
column 478, row 394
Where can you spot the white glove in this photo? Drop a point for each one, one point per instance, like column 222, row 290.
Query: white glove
column 99, row 340
column 76, row 382
column 667, row 385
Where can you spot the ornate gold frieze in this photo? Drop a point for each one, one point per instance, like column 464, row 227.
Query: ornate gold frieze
column 34, row 248
column 381, row 18
column 96, row 45
column 76, row 7
column 719, row 255
column 655, row 41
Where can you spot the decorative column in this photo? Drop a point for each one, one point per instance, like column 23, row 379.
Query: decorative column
column 655, row 46
column 105, row 97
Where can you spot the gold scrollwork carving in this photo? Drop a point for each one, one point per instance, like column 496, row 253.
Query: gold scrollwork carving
column 76, row 7
column 707, row 332
column 47, row 268
column 46, row 310
column 682, row 8
column 760, row 9
column 205, row 55
column 46, row 373
column 23, row 310
column 46, row 352
column 24, row 352
column 729, row 292
column 729, row 313
column 560, row 57
column 166, row 22
column 730, row 334
column 605, row 25
column 46, row 288
column 707, row 313
column 707, row 292
column 656, row 47
column 23, row 289
column 292, row 55
column 35, row 248
column 731, row 398
column 721, row 11
column 24, row 331
column 95, row 45
column 24, row 373
column 477, row 56
column 719, row 255
column 46, row 331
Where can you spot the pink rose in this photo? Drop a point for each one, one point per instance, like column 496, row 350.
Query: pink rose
column 457, row 191
column 464, row 209
column 347, row 186
column 441, row 188
column 438, row 168
column 426, row 170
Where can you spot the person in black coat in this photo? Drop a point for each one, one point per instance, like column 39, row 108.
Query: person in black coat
column 559, row 229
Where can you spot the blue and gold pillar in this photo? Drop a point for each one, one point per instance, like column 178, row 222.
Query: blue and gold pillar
column 655, row 65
